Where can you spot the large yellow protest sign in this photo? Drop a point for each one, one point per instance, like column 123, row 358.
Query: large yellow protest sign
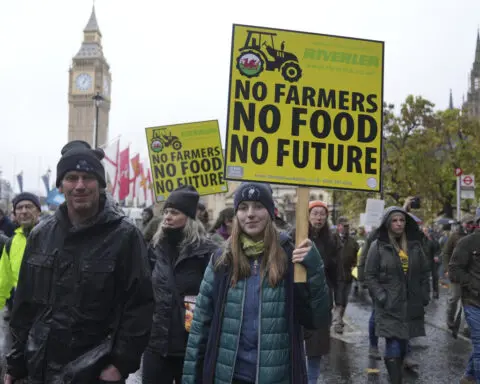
column 305, row 109
column 186, row 154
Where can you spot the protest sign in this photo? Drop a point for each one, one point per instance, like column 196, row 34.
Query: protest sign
column 305, row 109
column 186, row 154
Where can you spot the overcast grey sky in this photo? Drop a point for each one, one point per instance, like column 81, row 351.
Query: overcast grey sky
column 170, row 60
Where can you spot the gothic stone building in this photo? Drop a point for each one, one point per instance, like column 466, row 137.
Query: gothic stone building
column 472, row 104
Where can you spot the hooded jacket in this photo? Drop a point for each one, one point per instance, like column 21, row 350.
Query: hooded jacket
column 84, row 299
column 399, row 297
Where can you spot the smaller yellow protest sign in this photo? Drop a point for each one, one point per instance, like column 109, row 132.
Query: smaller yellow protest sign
column 186, row 154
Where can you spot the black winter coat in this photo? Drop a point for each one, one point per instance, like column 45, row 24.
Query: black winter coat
column 464, row 268
column 317, row 342
column 432, row 249
column 175, row 276
column 7, row 227
column 399, row 297
column 84, row 299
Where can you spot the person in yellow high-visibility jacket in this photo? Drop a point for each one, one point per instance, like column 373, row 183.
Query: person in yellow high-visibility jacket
column 26, row 208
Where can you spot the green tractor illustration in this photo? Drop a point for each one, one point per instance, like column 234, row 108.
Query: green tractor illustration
column 259, row 54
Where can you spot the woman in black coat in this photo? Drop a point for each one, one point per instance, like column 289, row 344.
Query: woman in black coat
column 317, row 342
column 397, row 273
column 180, row 252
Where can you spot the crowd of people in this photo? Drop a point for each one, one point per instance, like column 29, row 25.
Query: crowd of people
column 89, row 295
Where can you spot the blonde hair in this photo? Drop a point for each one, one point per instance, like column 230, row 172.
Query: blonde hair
column 274, row 260
column 193, row 232
column 402, row 244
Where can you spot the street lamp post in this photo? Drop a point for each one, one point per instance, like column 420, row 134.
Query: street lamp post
column 98, row 101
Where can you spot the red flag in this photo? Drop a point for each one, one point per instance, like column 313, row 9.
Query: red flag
column 124, row 189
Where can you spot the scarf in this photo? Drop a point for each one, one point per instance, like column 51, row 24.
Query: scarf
column 251, row 248
column 174, row 236
column 404, row 259
column 402, row 253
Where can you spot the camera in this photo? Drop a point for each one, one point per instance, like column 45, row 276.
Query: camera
column 415, row 203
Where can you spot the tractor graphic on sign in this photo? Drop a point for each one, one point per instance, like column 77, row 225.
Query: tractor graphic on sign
column 259, row 54
column 162, row 139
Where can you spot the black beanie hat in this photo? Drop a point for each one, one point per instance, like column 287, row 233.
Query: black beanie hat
column 26, row 196
column 185, row 199
column 260, row 192
column 78, row 155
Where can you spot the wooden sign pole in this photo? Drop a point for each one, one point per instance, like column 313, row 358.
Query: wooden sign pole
column 301, row 229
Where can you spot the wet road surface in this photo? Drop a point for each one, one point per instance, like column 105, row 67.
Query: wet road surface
column 442, row 359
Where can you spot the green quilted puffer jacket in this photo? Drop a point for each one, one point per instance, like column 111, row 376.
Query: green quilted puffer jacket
column 275, row 339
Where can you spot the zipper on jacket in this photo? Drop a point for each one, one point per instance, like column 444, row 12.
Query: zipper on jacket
column 239, row 330
column 219, row 328
column 257, row 374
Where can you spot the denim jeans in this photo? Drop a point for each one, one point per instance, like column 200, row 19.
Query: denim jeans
column 313, row 369
column 469, row 371
column 371, row 331
column 395, row 348
column 472, row 315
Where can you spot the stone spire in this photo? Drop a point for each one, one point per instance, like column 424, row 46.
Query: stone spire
column 450, row 101
column 92, row 40
column 92, row 25
column 477, row 51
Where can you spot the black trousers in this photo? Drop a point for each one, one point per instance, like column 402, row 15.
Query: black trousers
column 435, row 276
column 161, row 370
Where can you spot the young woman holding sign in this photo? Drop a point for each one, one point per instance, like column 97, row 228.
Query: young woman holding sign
column 247, row 325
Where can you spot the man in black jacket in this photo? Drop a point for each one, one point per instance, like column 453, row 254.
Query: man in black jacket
column 84, row 302
column 464, row 270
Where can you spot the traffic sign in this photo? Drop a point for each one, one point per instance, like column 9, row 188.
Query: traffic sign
column 467, row 182
column 458, row 172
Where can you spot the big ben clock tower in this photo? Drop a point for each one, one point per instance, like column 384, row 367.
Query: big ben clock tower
column 89, row 75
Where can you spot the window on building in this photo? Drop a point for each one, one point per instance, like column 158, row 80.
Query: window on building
column 476, row 83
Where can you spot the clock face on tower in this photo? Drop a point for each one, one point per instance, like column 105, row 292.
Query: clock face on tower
column 83, row 81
